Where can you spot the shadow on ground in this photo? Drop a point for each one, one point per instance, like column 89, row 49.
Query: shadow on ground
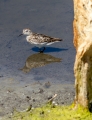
column 50, row 49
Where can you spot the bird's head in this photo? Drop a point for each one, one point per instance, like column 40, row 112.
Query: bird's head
column 26, row 32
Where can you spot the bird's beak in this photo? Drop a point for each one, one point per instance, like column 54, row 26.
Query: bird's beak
column 20, row 34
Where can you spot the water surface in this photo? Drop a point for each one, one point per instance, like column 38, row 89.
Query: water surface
column 50, row 17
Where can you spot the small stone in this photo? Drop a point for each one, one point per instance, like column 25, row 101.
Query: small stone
column 28, row 98
column 62, row 102
column 47, row 84
column 49, row 97
column 41, row 90
column 34, row 100
column 53, row 102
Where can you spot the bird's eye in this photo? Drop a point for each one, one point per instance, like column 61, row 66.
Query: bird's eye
column 26, row 30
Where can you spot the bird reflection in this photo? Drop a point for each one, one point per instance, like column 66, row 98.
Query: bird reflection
column 38, row 60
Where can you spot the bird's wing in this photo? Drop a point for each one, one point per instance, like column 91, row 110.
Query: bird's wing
column 46, row 38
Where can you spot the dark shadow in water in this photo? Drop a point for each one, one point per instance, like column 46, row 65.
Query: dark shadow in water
column 49, row 49
column 38, row 60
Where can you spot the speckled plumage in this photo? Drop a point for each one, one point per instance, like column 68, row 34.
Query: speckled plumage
column 39, row 39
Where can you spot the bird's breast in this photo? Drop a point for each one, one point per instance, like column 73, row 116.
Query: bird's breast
column 28, row 38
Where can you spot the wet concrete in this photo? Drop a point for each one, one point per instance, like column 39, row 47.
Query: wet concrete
column 53, row 18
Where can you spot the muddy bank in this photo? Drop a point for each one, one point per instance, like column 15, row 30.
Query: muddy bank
column 35, row 94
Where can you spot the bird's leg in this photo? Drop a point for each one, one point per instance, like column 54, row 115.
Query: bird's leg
column 44, row 49
column 41, row 51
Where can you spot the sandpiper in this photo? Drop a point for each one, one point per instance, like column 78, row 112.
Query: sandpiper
column 39, row 40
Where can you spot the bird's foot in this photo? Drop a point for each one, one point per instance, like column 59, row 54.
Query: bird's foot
column 41, row 51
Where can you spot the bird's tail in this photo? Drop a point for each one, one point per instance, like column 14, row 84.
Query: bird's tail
column 57, row 39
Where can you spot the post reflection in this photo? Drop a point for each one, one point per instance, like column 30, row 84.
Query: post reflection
column 38, row 60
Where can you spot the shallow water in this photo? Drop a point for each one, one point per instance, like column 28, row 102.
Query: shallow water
column 50, row 17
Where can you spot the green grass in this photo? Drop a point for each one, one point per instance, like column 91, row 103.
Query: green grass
column 54, row 113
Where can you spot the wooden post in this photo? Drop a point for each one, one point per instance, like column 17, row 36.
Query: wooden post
column 82, row 26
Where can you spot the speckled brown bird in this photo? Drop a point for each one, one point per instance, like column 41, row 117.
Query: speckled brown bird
column 39, row 40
